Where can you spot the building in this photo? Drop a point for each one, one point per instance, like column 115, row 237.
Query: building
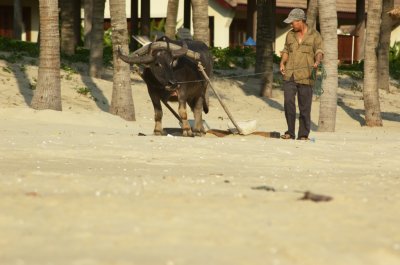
column 229, row 20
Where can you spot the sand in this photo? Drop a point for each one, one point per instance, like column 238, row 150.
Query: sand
column 81, row 187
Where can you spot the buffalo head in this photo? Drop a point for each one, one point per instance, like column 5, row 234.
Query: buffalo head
column 160, row 57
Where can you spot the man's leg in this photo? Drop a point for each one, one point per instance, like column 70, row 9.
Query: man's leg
column 305, row 100
column 290, row 90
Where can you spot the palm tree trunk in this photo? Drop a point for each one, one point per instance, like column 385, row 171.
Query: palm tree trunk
column 384, row 45
column 18, row 24
column 48, row 90
column 312, row 12
column 251, row 25
column 371, row 91
column 133, row 45
column 328, row 100
column 87, row 27
column 77, row 22
column 96, row 43
column 145, row 18
column 68, row 40
column 360, row 28
column 264, row 45
column 200, row 21
column 172, row 14
column 121, row 101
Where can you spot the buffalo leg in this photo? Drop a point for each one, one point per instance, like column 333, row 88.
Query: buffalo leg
column 186, row 129
column 198, row 120
column 158, row 113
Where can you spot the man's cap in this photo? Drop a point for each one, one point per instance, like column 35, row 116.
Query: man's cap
column 295, row 14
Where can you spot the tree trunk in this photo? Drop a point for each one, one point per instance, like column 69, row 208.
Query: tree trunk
column 77, row 22
column 18, row 24
column 360, row 28
column 371, row 91
column 172, row 14
column 48, row 90
column 264, row 45
column 328, row 100
column 68, row 39
column 133, row 45
column 384, row 45
column 121, row 101
column 145, row 18
column 187, row 10
column 251, row 25
column 97, row 38
column 200, row 21
column 312, row 12
column 87, row 27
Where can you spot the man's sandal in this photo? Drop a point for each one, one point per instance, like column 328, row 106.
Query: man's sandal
column 286, row 136
column 303, row 138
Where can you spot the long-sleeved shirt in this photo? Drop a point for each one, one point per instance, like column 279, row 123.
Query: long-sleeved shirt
column 301, row 56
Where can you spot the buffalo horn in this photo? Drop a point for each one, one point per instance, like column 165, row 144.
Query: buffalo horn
column 135, row 58
column 180, row 52
column 162, row 44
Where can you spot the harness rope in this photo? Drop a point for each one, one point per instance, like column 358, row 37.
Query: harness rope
column 317, row 75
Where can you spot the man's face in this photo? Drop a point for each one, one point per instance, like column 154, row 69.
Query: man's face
column 297, row 25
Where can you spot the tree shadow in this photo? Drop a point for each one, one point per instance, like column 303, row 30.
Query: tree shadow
column 97, row 94
column 355, row 114
column 251, row 90
column 24, row 84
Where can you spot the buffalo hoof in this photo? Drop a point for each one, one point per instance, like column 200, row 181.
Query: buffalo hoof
column 187, row 133
column 159, row 133
column 199, row 133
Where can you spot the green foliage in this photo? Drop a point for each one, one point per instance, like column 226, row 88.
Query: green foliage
column 108, row 38
column 83, row 90
column 19, row 47
column 394, row 60
column 355, row 87
column 228, row 58
column 355, row 70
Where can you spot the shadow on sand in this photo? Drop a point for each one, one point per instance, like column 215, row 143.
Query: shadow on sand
column 97, row 94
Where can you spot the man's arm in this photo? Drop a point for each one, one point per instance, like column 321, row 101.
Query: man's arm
column 318, row 58
column 284, row 59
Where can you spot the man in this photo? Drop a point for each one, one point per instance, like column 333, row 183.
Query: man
column 302, row 53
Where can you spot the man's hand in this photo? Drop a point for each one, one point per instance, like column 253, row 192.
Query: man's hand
column 282, row 68
column 316, row 64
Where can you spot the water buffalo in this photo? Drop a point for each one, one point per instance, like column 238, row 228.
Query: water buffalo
column 171, row 69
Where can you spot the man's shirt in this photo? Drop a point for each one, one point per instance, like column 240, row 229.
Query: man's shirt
column 301, row 55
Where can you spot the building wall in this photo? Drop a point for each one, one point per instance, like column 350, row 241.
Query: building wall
column 222, row 17
column 34, row 8
column 395, row 37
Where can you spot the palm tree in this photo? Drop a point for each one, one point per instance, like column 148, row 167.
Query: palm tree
column 360, row 28
column 384, row 45
column 328, row 100
column 87, row 26
column 264, row 44
column 68, row 39
column 172, row 13
column 312, row 12
column 18, row 24
column 251, row 19
column 121, row 101
column 145, row 18
column 133, row 45
column 96, row 42
column 200, row 21
column 48, row 90
column 371, row 91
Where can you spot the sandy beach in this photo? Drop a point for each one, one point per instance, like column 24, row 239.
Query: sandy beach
column 81, row 187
